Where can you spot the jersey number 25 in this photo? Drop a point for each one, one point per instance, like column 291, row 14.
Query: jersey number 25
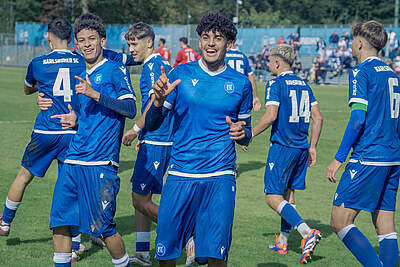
column 63, row 79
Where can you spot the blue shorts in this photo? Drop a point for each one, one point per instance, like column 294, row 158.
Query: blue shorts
column 85, row 196
column 150, row 167
column 198, row 207
column 369, row 188
column 285, row 169
column 43, row 149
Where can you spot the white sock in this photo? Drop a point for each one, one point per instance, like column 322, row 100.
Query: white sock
column 122, row 262
column 283, row 238
column 12, row 205
column 342, row 233
column 387, row 236
column 76, row 238
column 303, row 229
column 62, row 257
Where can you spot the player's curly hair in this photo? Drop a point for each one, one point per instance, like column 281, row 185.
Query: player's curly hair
column 60, row 28
column 284, row 52
column 217, row 22
column 92, row 22
column 372, row 31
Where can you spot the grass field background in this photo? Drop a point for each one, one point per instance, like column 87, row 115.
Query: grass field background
column 30, row 240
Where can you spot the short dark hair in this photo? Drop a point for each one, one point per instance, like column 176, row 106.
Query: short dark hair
column 162, row 40
column 373, row 31
column 92, row 22
column 183, row 40
column 60, row 28
column 217, row 22
column 140, row 30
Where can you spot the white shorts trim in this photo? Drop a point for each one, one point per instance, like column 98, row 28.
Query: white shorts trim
column 201, row 175
column 373, row 163
column 91, row 163
column 156, row 143
column 275, row 103
column 127, row 96
column 314, row 103
column 244, row 116
column 54, row 132
column 28, row 84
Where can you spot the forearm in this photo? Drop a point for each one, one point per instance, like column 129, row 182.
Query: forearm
column 253, row 85
column 28, row 90
column 247, row 133
column 154, row 117
column 125, row 107
column 315, row 132
column 264, row 123
column 353, row 131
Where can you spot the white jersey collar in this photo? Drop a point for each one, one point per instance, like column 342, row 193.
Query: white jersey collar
column 96, row 66
column 61, row 50
column 286, row 72
column 150, row 57
column 209, row 72
column 372, row 58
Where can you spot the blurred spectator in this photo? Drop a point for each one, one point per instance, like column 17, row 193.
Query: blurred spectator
column 393, row 46
column 290, row 38
column 334, row 39
column 391, row 36
column 321, row 47
column 346, row 37
column 342, row 43
column 297, row 68
column 280, row 40
column 296, row 43
column 321, row 69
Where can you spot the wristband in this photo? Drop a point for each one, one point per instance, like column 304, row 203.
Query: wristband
column 136, row 128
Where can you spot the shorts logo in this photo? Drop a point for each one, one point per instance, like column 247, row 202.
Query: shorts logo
column 336, row 195
column 233, row 188
column 160, row 249
column 271, row 165
column 101, row 175
column 142, row 186
column 156, row 164
column 229, row 87
column 97, row 78
column 352, row 173
column 222, row 250
column 105, row 203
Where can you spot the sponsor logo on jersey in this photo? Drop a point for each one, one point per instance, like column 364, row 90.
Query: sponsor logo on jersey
column 150, row 66
column 105, row 203
column 229, row 87
column 160, row 249
column 156, row 164
column 355, row 72
column 97, row 78
column 123, row 69
column 195, row 81
column 354, row 87
column 271, row 165
column 352, row 173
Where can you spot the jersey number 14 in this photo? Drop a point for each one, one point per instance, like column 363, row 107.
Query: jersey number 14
column 303, row 110
column 63, row 79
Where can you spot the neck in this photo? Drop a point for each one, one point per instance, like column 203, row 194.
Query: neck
column 284, row 69
column 214, row 66
column 59, row 46
column 149, row 53
column 91, row 65
column 365, row 55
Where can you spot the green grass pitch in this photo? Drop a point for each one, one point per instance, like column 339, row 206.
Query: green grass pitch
column 30, row 240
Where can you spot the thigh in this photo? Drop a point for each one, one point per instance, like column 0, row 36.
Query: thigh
column 98, row 189
column 64, row 207
column 150, row 167
column 298, row 178
column 361, row 186
column 214, row 221
column 176, row 217
column 388, row 197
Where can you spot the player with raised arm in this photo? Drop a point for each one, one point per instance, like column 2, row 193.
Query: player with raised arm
column 211, row 107
column 85, row 193
column 186, row 54
column 371, row 178
column 239, row 62
column 53, row 76
column 163, row 50
column 155, row 147
column 289, row 104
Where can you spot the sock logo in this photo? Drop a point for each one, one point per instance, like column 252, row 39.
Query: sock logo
column 352, row 173
column 156, row 163
column 271, row 165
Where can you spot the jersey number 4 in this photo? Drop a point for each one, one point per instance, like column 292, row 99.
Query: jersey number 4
column 64, row 80
column 303, row 110
column 394, row 98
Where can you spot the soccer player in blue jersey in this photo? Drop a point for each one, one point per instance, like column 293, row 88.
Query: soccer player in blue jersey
column 86, row 191
column 239, row 62
column 371, row 178
column 155, row 147
column 211, row 108
column 289, row 104
column 52, row 75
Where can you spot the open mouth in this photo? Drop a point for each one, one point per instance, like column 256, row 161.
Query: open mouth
column 211, row 52
column 89, row 51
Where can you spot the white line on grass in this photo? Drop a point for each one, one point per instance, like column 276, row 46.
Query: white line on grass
column 14, row 122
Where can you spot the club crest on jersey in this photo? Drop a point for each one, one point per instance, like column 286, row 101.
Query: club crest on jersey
column 150, row 66
column 160, row 249
column 229, row 87
column 97, row 78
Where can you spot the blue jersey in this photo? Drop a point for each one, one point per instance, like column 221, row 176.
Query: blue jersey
column 54, row 73
column 238, row 61
column 374, row 84
column 199, row 105
column 294, row 98
column 98, row 139
column 115, row 56
column 150, row 74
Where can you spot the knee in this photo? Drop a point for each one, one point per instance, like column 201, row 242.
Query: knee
column 24, row 176
column 139, row 201
column 338, row 224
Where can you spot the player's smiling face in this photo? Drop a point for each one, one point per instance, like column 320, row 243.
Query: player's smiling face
column 91, row 45
column 213, row 48
column 139, row 48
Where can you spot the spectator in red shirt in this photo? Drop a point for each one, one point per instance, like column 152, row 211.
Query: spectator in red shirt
column 186, row 54
column 163, row 50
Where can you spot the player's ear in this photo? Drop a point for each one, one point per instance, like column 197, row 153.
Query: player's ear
column 103, row 42
column 150, row 43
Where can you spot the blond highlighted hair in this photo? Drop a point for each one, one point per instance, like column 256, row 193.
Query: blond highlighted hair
column 284, row 52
